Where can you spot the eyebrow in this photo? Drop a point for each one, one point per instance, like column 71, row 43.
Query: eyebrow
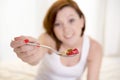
column 67, row 17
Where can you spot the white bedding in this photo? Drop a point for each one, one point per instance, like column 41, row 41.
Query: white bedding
column 17, row 71
column 22, row 71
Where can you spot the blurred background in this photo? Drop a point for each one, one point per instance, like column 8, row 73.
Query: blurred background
column 24, row 17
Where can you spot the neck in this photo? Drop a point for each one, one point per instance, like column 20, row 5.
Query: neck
column 78, row 44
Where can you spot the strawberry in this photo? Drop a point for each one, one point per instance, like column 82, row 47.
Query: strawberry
column 70, row 53
column 75, row 51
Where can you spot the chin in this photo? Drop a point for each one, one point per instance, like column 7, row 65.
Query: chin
column 71, row 43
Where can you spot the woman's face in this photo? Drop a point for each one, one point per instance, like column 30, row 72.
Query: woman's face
column 68, row 26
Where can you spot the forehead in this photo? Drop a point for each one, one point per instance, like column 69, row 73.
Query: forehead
column 66, row 11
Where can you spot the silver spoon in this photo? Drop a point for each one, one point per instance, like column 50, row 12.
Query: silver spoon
column 63, row 53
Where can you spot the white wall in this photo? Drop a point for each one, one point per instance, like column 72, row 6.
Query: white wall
column 17, row 17
column 42, row 7
column 112, row 28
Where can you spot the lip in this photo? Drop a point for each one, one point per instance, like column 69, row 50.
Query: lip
column 68, row 36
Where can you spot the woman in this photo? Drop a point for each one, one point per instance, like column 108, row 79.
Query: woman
column 64, row 25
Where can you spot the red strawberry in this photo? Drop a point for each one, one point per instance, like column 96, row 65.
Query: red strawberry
column 75, row 51
column 70, row 53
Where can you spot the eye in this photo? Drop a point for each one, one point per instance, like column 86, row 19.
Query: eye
column 57, row 24
column 71, row 20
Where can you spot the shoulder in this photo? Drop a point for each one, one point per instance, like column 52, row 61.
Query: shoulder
column 95, row 45
column 96, row 50
column 45, row 39
column 43, row 36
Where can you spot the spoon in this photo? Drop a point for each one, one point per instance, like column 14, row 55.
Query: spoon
column 66, row 53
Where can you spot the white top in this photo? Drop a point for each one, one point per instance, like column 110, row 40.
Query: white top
column 52, row 68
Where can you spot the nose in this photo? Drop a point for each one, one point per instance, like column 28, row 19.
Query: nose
column 67, row 30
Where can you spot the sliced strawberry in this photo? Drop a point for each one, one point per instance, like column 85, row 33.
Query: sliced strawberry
column 70, row 53
column 75, row 51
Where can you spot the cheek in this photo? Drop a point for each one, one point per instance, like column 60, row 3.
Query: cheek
column 80, row 23
column 78, row 31
column 79, row 28
column 58, row 32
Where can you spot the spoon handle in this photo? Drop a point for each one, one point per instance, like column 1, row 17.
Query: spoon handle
column 44, row 46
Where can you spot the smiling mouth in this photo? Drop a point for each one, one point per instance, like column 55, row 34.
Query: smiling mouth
column 68, row 36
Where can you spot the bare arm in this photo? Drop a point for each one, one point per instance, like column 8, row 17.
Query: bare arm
column 94, row 61
column 28, row 53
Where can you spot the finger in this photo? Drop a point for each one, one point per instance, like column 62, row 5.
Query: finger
column 30, row 54
column 18, row 38
column 27, row 39
column 21, row 40
column 22, row 54
column 31, row 39
column 26, row 55
column 24, row 48
column 15, row 44
column 18, row 50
